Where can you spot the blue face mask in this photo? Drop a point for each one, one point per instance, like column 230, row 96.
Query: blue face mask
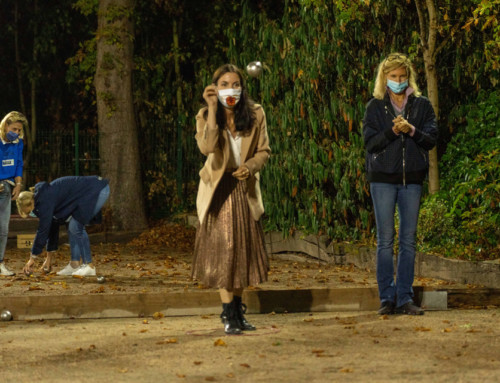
column 32, row 214
column 11, row 136
column 397, row 87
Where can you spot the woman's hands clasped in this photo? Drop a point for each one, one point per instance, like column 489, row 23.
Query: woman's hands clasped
column 242, row 173
column 401, row 126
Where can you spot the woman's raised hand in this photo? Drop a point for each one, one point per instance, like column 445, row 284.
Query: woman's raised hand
column 210, row 96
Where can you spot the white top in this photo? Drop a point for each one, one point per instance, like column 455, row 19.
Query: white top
column 235, row 151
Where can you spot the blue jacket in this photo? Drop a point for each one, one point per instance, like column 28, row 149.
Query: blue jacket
column 398, row 159
column 57, row 201
column 11, row 155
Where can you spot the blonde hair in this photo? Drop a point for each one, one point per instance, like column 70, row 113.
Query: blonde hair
column 394, row 61
column 11, row 118
column 25, row 199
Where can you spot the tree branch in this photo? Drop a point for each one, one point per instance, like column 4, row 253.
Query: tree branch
column 445, row 41
column 421, row 21
column 431, row 9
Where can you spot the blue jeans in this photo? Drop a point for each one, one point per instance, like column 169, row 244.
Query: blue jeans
column 78, row 237
column 5, row 206
column 385, row 199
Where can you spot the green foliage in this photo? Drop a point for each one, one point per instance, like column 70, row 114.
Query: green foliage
column 470, row 186
column 314, row 89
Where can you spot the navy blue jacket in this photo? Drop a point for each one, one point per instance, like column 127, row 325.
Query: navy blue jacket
column 57, row 201
column 398, row 159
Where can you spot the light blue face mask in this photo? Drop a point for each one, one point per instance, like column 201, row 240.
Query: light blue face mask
column 397, row 87
column 32, row 214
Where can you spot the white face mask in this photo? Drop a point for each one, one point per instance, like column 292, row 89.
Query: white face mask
column 229, row 97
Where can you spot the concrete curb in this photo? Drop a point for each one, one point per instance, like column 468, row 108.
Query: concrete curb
column 426, row 265
column 208, row 302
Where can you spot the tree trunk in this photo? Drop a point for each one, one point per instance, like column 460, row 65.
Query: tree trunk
column 428, row 36
column 118, row 145
column 18, row 58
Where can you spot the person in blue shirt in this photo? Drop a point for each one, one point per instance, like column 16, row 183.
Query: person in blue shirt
column 11, row 173
column 72, row 200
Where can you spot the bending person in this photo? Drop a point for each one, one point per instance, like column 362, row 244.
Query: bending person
column 230, row 252
column 75, row 200
column 11, row 174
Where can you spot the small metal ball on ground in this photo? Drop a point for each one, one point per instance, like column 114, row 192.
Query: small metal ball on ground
column 6, row 315
column 101, row 279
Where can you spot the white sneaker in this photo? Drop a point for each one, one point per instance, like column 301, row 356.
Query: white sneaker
column 85, row 271
column 5, row 271
column 68, row 270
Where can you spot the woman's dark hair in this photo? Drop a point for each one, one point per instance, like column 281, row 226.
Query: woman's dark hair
column 244, row 111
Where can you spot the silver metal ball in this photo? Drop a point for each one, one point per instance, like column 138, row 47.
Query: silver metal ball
column 254, row 69
column 101, row 279
column 6, row 315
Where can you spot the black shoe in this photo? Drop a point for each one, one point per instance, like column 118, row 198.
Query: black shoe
column 229, row 318
column 241, row 309
column 410, row 308
column 386, row 308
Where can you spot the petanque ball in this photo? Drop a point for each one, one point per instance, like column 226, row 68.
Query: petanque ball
column 101, row 279
column 254, row 69
column 6, row 315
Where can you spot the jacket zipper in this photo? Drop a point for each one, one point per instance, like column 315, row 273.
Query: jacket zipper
column 404, row 159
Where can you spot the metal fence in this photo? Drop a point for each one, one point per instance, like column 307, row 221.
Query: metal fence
column 62, row 153
column 170, row 161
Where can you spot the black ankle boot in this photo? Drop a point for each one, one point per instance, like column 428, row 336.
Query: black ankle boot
column 230, row 319
column 241, row 309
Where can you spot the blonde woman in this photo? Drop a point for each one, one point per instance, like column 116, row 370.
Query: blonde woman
column 229, row 251
column 11, row 174
column 71, row 200
column 399, row 129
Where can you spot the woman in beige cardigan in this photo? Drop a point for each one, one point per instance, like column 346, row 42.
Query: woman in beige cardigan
column 230, row 252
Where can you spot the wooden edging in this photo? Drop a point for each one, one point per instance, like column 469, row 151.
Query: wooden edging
column 207, row 302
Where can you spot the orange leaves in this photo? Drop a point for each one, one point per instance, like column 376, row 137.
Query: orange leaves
column 220, row 343
column 158, row 315
column 169, row 235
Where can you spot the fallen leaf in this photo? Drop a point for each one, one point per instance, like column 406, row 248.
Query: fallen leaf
column 446, row 330
column 245, row 365
column 33, row 288
column 346, row 370
column 220, row 342
column 422, row 329
column 230, row 375
column 181, row 375
column 197, row 362
column 158, row 315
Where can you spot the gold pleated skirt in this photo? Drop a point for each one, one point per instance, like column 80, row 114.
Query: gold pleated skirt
column 229, row 250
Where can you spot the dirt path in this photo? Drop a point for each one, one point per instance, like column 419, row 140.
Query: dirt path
column 453, row 346
column 155, row 269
